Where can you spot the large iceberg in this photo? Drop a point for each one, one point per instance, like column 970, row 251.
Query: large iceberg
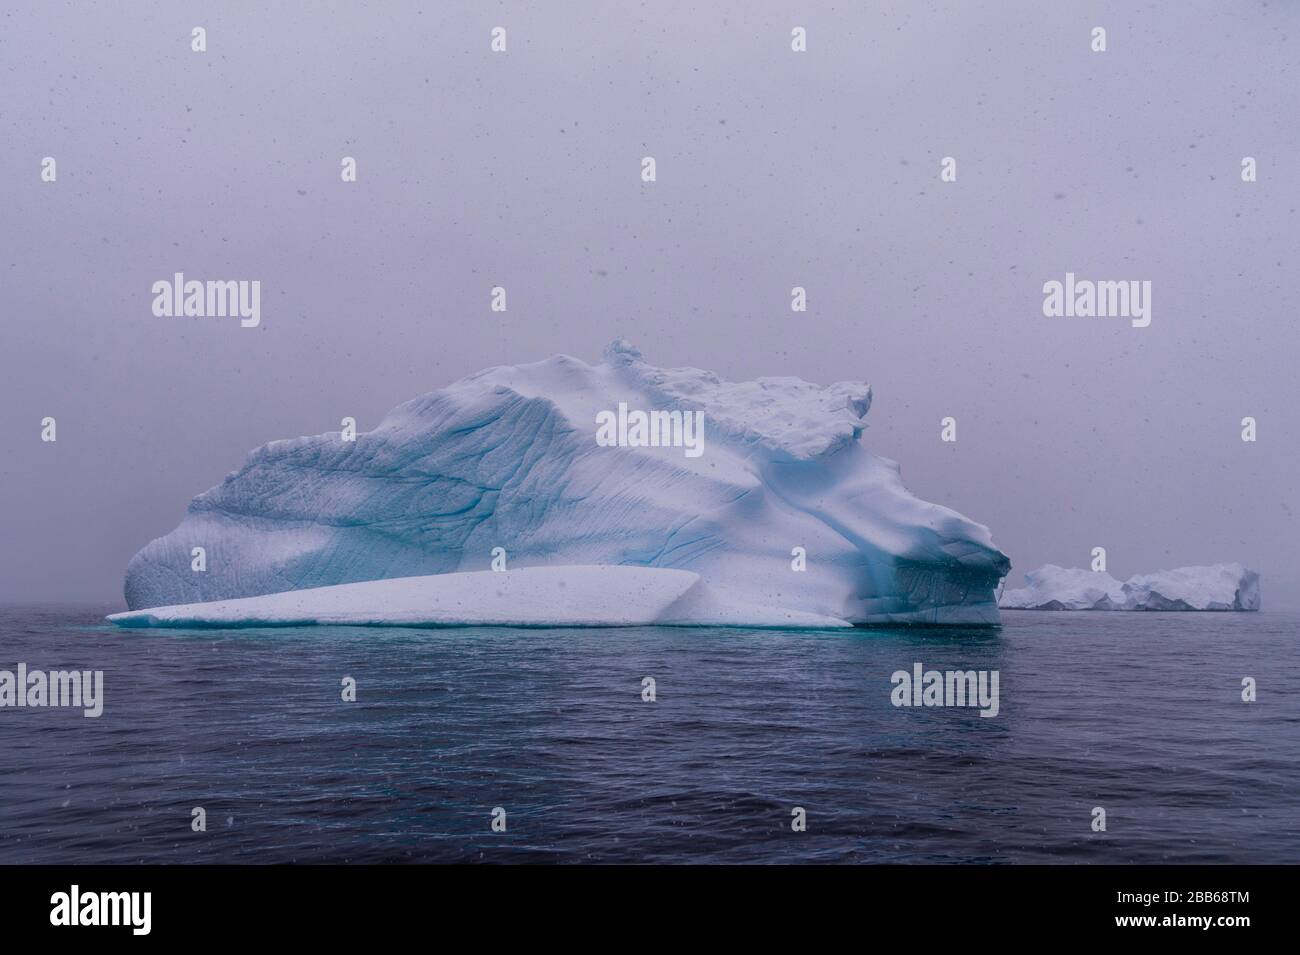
column 780, row 514
column 1218, row 587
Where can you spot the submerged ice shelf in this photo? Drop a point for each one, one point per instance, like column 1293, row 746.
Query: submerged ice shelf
column 1217, row 587
column 509, row 458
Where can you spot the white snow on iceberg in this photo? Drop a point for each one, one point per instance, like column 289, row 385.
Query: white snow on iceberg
column 531, row 597
column 1219, row 587
column 508, row 458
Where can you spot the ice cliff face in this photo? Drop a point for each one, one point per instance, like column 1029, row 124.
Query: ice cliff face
column 1218, row 587
column 509, row 458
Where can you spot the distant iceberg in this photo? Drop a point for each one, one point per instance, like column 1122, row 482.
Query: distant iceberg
column 1219, row 587
column 776, row 513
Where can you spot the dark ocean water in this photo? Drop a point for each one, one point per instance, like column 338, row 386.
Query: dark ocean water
column 1140, row 714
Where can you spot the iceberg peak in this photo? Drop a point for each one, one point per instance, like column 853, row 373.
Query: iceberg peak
column 785, row 416
column 621, row 352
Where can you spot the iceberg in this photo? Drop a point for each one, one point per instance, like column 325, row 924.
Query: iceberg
column 1218, row 587
column 1065, row 588
column 775, row 513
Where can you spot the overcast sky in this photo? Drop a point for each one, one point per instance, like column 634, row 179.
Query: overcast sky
column 774, row 169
